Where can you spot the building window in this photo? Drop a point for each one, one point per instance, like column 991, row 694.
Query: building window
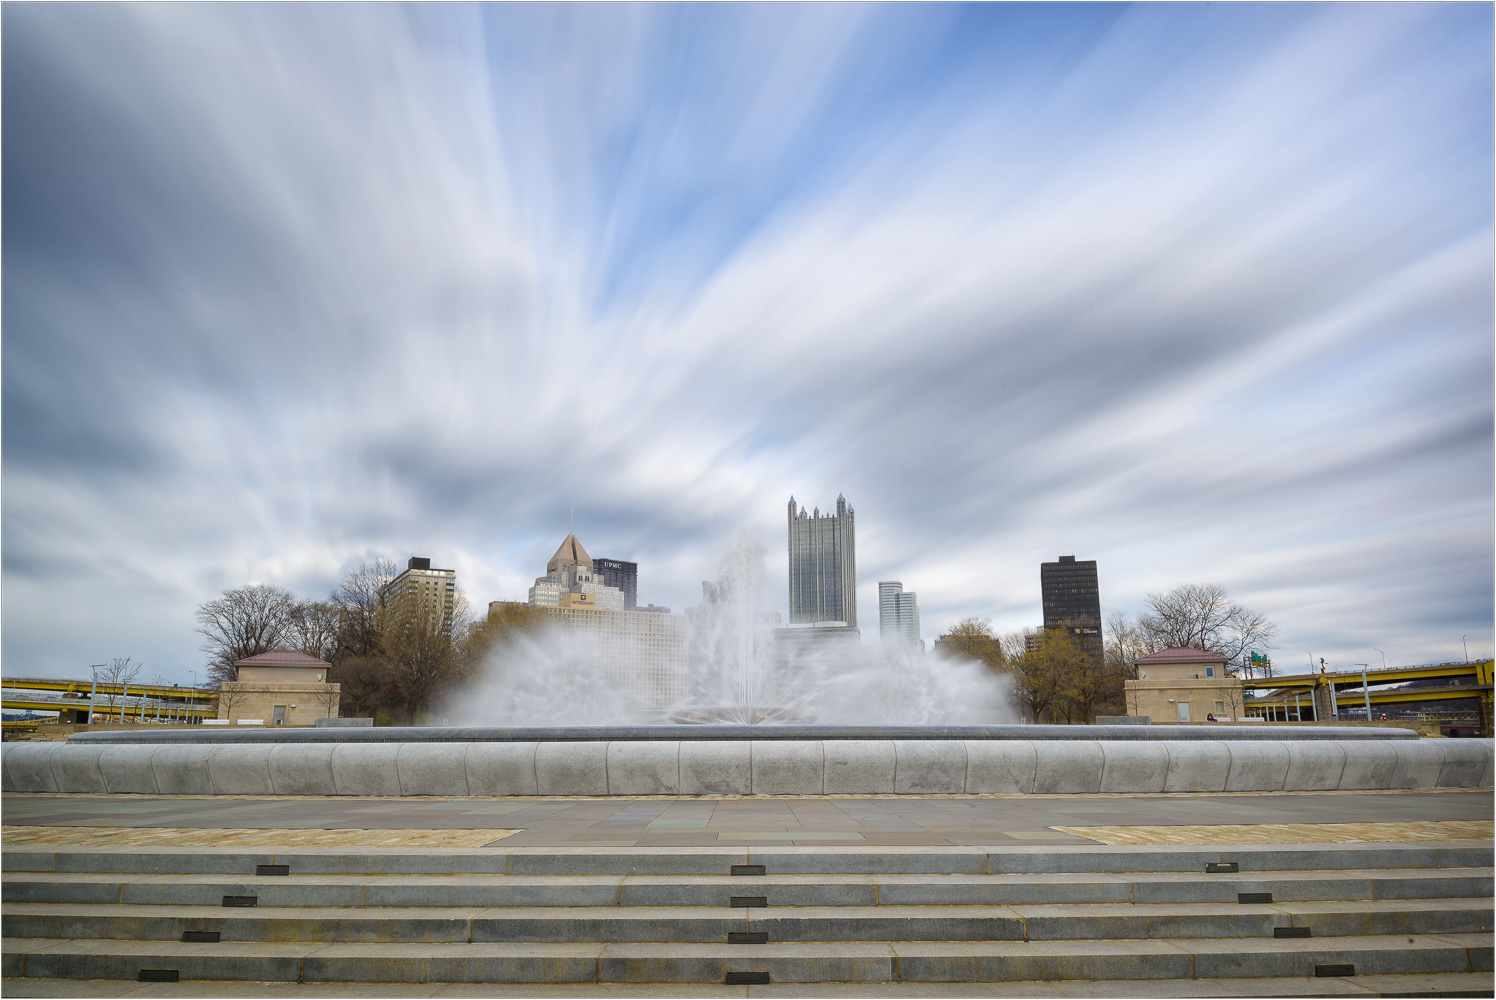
column 1210, row 671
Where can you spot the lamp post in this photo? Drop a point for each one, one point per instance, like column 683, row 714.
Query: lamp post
column 1384, row 657
column 1466, row 644
column 93, row 690
column 1365, row 691
column 192, row 699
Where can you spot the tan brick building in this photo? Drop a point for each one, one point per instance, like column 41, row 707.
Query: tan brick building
column 281, row 688
column 1184, row 685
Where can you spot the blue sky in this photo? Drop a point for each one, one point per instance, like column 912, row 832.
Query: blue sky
column 1203, row 292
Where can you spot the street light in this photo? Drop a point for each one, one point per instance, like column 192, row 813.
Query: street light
column 1365, row 691
column 93, row 690
column 1384, row 657
column 192, row 699
column 1467, row 647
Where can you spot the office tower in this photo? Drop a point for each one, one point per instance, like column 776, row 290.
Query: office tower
column 823, row 565
column 435, row 589
column 571, row 580
column 1072, row 599
column 640, row 653
column 898, row 614
column 620, row 574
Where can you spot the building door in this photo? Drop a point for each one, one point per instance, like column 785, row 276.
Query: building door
column 280, row 716
column 1184, row 711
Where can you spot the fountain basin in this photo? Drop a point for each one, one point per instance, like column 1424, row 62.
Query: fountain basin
column 865, row 761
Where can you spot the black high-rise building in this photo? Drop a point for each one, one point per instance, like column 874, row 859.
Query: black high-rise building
column 620, row 574
column 1072, row 599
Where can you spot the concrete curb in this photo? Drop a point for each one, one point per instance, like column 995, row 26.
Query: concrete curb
column 810, row 767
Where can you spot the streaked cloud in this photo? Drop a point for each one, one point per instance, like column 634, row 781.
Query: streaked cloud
column 1202, row 292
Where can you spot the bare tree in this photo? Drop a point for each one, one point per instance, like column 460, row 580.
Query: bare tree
column 1233, row 696
column 312, row 628
column 242, row 623
column 358, row 602
column 1201, row 616
column 121, row 672
column 228, row 699
column 421, row 650
column 157, row 680
column 328, row 695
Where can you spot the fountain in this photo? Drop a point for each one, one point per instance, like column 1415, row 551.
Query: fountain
column 762, row 718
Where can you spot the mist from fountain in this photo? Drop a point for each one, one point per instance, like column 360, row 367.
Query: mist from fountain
column 744, row 668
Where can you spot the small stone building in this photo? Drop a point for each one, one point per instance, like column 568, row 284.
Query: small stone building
column 1184, row 685
column 280, row 688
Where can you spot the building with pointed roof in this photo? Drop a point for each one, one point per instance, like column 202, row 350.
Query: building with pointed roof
column 569, row 553
column 570, row 579
column 823, row 565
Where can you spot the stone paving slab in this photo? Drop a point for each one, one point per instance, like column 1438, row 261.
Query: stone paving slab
column 1449, row 984
column 1287, row 833
column 127, row 836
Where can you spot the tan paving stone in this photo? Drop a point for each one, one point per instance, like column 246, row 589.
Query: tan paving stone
column 1286, row 833
column 209, row 837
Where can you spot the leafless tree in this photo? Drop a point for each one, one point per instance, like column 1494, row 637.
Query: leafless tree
column 1233, row 696
column 328, row 695
column 1201, row 616
column 421, row 650
column 312, row 628
column 228, row 699
column 121, row 671
column 243, row 622
column 358, row 601
column 157, row 680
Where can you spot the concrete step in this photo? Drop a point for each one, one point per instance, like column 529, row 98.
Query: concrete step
column 713, row 924
column 718, row 861
column 784, row 890
column 1447, row 984
column 851, row 962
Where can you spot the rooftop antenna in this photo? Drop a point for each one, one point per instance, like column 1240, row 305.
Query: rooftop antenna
column 571, row 524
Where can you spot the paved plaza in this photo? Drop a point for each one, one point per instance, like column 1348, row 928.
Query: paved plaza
column 786, row 821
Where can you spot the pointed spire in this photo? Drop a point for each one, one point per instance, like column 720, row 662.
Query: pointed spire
column 570, row 553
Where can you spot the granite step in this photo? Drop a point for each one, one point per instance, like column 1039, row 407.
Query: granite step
column 713, row 924
column 720, row 861
column 843, row 962
column 784, row 890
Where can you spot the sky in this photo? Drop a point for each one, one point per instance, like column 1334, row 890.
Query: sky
column 1201, row 292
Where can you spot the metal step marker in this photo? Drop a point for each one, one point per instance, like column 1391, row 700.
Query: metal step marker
column 747, row 937
column 748, row 870
column 1254, row 897
column 749, row 901
column 1291, row 932
column 272, row 869
column 158, row 976
column 201, row 937
column 241, row 900
column 747, row 979
column 1334, row 970
column 1220, row 867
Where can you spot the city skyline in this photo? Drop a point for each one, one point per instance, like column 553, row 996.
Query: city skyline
column 1200, row 291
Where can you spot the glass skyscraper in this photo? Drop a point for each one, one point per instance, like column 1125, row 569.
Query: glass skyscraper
column 823, row 565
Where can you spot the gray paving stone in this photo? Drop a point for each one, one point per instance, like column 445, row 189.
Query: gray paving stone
column 432, row 769
column 241, row 770
column 365, row 769
column 127, row 769
column 1068, row 766
column 791, row 767
column 929, row 766
column 125, row 959
column 18, row 890
column 1313, row 765
column 1258, row 765
column 501, row 769
column 638, row 768
column 843, row 962
column 1240, row 957
column 76, row 768
column 910, row 890
column 1197, row 765
column 571, row 768
column 28, row 766
column 783, row 890
column 1040, row 960
column 716, row 768
column 631, row 861
column 453, row 963
column 1134, row 767
column 162, row 862
column 607, row 924
column 484, row 891
column 864, row 767
column 22, row 860
column 1002, row 767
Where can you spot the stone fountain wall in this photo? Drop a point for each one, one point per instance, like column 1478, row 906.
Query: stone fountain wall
column 744, row 767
